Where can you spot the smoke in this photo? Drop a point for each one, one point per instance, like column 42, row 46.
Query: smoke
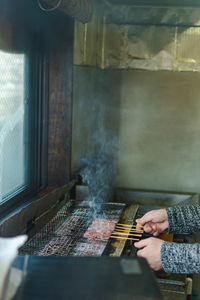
column 99, row 175
column 96, row 119
column 99, row 167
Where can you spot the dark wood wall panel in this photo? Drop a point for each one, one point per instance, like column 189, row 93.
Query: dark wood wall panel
column 60, row 110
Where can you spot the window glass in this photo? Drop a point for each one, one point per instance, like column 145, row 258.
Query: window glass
column 13, row 125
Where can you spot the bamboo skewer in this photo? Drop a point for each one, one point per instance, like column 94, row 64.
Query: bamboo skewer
column 123, row 224
column 124, row 231
column 128, row 225
column 124, row 228
column 134, row 228
column 124, row 238
column 126, row 234
column 128, row 230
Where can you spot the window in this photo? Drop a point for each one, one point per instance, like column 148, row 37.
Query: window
column 22, row 127
column 13, row 146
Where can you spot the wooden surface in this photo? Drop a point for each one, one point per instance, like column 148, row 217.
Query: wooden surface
column 13, row 34
column 128, row 216
column 166, row 237
column 31, row 217
column 60, row 105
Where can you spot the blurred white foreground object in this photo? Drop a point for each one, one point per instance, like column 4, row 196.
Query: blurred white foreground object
column 8, row 251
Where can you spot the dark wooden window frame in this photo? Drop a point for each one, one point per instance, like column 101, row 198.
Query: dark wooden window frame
column 52, row 78
column 37, row 132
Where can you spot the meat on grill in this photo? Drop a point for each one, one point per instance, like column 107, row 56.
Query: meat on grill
column 100, row 229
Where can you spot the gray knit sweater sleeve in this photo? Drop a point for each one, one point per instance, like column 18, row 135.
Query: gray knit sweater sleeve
column 182, row 258
column 184, row 219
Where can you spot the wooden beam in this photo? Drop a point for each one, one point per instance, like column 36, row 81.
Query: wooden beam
column 60, row 106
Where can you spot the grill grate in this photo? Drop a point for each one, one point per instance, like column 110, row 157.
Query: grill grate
column 63, row 235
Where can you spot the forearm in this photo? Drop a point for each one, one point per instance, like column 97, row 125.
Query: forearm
column 184, row 219
column 180, row 258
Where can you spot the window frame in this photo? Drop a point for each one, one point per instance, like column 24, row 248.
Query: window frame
column 37, row 131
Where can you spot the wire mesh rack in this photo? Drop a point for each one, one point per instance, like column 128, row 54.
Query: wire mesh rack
column 63, row 235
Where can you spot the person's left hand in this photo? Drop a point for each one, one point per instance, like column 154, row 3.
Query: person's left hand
column 150, row 249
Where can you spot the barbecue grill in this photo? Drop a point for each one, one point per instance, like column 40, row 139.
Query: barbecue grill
column 63, row 235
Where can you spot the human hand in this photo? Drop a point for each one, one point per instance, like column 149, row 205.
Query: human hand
column 150, row 249
column 154, row 221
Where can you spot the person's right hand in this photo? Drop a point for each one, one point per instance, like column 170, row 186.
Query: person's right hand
column 154, row 221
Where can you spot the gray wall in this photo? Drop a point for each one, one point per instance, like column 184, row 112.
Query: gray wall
column 160, row 131
column 95, row 113
column 149, row 120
